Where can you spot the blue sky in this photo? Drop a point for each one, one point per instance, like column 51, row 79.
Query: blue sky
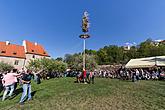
column 56, row 23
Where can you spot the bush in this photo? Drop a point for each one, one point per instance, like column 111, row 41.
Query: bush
column 48, row 65
column 4, row 67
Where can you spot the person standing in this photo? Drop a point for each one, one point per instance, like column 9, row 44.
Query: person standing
column 9, row 81
column 37, row 77
column 137, row 74
column 133, row 74
column 26, row 81
column 84, row 75
column 91, row 75
column 1, row 85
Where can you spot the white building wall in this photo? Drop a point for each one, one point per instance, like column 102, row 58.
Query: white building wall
column 11, row 60
column 30, row 56
column 21, row 62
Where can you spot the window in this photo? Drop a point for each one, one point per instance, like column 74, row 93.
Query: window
column 16, row 62
column 32, row 50
column 44, row 52
column 3, row 51
column 33, row 56
column 14, row 53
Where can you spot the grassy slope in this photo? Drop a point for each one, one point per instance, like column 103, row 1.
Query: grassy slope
column 105, row 94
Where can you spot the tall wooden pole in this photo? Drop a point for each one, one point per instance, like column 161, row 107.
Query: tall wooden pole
column 84, row 56
column 85, row 26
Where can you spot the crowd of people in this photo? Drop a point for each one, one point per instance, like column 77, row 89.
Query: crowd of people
column 132, row 74
column 155, row 73
column 85, row 77
column 10, row 80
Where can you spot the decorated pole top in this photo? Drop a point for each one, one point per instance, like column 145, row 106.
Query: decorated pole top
column 85, row 26
column 85, row 22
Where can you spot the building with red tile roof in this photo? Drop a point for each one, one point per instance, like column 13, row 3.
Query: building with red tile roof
column 33, row 51
column 12, row 50
column 18, row 55
column 34, row 48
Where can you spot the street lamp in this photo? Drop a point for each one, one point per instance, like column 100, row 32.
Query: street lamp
column 85, row 35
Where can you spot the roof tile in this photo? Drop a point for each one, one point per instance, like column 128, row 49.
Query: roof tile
column 12, row 50
column 35, row 49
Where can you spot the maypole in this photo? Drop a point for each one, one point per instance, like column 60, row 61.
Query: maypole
column 85, row 35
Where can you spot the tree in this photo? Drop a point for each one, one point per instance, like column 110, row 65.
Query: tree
column 90, row 52
column 75, row 62
column 102, row 57
column 132, row 53
column 110, row 54
column 59, row 59
column 113, row 54
column 48, row 65
column 34, row 65
column 5, row 67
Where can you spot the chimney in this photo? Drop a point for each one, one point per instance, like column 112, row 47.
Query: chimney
column 24, row 45
column 35, row 43
column 7, row 42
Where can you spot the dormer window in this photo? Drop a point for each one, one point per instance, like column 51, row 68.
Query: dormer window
column 3, row 51
column 44, row 52
column 14, row 53
column 32, row 50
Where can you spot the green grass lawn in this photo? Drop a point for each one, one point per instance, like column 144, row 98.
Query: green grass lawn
column 105, row 94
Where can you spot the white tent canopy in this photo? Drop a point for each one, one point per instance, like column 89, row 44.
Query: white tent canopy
column 146, row 62
column 160, row 61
